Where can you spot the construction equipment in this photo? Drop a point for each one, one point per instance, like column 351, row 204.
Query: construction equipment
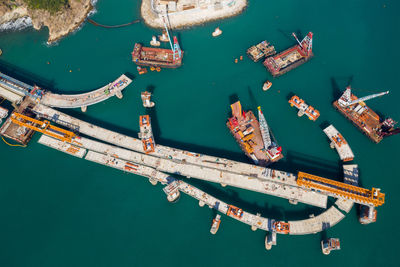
column 264, row 129
column 345, row 99
column 305, row 44
column 341, row 190
column 43, row 126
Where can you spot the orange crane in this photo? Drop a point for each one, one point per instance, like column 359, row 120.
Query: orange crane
column 337, row 189
column 42, row 126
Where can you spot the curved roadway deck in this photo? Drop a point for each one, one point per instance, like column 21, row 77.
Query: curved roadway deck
column 86, row 99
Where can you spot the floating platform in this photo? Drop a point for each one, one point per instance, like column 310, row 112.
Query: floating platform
column 290, row 58
column 245, row 128
column 304, row 108
column 156, row 57
column 17, row 132
column 261, row 50
column 364, row 118
column 338, row 142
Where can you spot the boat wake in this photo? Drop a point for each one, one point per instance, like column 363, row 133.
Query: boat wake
column 16, row 25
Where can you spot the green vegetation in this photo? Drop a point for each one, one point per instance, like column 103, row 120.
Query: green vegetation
column 50, row 5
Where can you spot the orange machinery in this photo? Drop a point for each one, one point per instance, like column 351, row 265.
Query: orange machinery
column 337, row 189
column 43, row 126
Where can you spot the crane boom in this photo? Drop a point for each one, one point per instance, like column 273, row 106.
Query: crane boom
column 365, row 98
column 264, row 129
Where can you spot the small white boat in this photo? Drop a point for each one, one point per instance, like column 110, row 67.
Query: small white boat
column 154, row 41
column 217, row 32
column 163, row 37
column 267, row 85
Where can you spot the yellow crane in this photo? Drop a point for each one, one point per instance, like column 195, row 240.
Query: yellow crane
column 42, row 126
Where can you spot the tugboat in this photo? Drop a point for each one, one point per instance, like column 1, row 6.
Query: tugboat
column 235, row 212
column 141, row 70
column 270, row 240
column 217, row 32
column 215, row 224
column 146, row 96
column 367, row 214
column 172, row 191
column 164, row 36
column 267, row 85
column 281, row 227
column 328, row 245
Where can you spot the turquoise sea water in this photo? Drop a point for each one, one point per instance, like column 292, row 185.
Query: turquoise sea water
column 57, row 210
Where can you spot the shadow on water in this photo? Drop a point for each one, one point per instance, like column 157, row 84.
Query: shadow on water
column 324, row 124
column 290, row 95
column 25, row 76
column 336, row 91
column 295, row 161
column 288, row 34
column 232, row 196
column 253, row 100
column 155, row 124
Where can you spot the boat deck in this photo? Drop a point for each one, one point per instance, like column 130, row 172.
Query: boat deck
column 368, row 121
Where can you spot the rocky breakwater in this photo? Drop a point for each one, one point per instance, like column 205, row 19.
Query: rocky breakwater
column 16, row 14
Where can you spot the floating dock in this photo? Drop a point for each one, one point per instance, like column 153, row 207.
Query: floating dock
column 355, row 109
column 290, row 58
column 339, row 143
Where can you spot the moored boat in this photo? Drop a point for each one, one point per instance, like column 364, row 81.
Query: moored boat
column 217, row 32
column 215, row 224
column 267, row 85
column 330, row 244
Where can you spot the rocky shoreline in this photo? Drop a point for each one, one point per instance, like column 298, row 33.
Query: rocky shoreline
column 14, row 14
column 189, row 18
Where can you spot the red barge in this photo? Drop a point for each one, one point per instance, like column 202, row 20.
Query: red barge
column 290, row 58
column 366, row 120
column 158, row 57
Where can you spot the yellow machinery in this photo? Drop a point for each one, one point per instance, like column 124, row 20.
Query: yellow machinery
column 337, row 189
column 42, row 126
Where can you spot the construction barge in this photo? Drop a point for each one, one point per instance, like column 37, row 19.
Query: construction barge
column 261, row 50
column 158, row 57
column 355, row 109
column 252, row 136
column 290, row 58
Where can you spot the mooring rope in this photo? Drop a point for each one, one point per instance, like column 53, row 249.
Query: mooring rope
column 12, row 144
column 112, row 26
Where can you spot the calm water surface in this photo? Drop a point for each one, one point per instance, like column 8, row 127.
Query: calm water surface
column 57, row 210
